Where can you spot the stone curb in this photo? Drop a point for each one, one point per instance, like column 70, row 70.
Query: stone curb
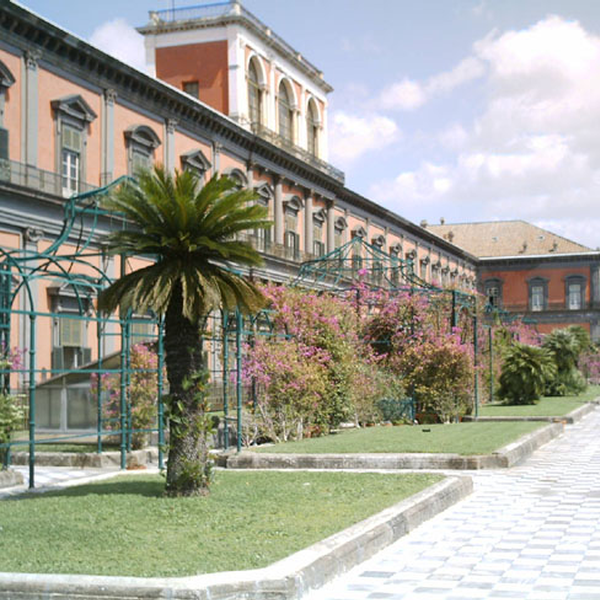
column 503, row 458
column 569, row 419
column 10, row 478
column 286, row 579
column 89, row 460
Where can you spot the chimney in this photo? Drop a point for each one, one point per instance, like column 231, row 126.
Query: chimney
column 451, row 236
column 442, row 221
column 424, row 223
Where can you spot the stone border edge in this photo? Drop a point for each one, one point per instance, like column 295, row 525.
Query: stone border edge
column 286, row 579
column 10, row 478
column 573, row 417
column 505, row 457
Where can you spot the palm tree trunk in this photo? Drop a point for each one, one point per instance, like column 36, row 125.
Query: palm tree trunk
column 189, row 465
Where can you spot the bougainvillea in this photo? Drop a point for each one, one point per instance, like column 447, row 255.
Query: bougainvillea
column 142, row 394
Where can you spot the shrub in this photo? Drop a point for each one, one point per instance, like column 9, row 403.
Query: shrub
column 142, row 394
column 565, row 345
column 525, row 371
column 11, row 415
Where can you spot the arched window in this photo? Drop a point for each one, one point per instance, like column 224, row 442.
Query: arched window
column 141, row 141
column 312, row 129
column 286, row 114
column 254, row 94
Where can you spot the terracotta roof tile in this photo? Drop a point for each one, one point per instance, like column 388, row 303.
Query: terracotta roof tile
column 505, row 238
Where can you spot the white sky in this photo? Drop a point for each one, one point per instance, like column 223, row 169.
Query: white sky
column 471, row 110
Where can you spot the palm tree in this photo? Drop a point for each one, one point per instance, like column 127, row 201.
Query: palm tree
column 191, row 230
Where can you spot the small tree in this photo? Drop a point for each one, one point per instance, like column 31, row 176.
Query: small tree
column 565, row 346
column 525, row 371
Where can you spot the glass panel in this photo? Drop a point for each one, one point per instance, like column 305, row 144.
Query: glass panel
column 81, row 409
column 574, row 296
column 70, row 172
column 338, row 238
column 285, row 114
column 424, row 271
column 537, row 298
column 47, row 408
column 70, row 332
column 191, row 88
column 140, row 161
column 253, row 94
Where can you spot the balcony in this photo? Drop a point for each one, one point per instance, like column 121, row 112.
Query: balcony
column 270, row 248
column 39, row 180
column 285, row 144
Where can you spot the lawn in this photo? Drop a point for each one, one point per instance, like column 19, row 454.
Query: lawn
column 458, row 438
column 548, row 406
column 125, row 526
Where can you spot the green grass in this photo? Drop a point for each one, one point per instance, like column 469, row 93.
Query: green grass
column 548, row 406
column 126, row 526
column 459, row 438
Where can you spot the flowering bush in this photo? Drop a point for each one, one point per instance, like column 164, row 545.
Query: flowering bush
column 11, row 415
column 142, row 394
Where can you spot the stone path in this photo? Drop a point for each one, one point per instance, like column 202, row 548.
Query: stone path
column 531, row 532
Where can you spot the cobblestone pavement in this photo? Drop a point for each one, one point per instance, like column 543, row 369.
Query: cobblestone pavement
column 46, row 477
column 530, row 532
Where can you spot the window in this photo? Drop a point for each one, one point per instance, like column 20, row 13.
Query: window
column 395, row 254
column 538, row 294
column 318, row 244
column 191, row 88
column 71, row 159
column 493, row 292
column 424, row 269
column 291, row 237
column 69, row 349
column 312, row 129
column 141, row 142
column 254, row 94
column 357, row 258
column 575, row 292
column 285, row 113
column 263, row 236
column 6, row 80
column 239, row 177
column 73, row 116
column 338, row 231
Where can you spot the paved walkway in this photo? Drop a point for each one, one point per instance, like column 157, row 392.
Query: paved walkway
column 530, row 532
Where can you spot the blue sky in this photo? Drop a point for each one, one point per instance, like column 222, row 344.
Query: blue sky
column 471, row 110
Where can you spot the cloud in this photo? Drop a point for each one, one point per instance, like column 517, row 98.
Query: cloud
column 352, row 136
column 532, row 150
column 121, row 40
column 409, row 94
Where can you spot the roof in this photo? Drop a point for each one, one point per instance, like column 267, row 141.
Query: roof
column 506, row 238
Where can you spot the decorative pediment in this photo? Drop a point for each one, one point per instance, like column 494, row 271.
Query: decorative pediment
column 340, row 224
column 75, row 106
column 319, row 216
column 294, row 204
column 6, row 77
column 265, row 192
column 359, row 232
column 378, row 241
column 143, row 135
column 196, row 161
column 396, row 249
column 238, row 176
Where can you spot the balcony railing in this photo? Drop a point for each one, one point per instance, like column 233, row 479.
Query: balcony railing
column 285, row 144
column 227, row 9
column 270, row 248
column 43, row 181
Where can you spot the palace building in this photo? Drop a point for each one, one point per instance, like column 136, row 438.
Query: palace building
column 226, row 95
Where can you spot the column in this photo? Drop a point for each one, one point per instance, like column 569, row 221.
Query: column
column 170, row 127
column 250, row 174
column 278, row 209
column 595, row 286
column 108, row 136
column 308, row 222
column 216, row 158
column 330, row 226
column 31, row 108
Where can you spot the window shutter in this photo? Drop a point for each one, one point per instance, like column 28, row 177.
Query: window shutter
column 70, row 332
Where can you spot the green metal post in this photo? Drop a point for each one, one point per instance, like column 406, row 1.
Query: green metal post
column 491, row 346
column 32, row 342
column 123, row 403
column 160, row 385
column 225, row 380
column 476, row 363
column 454, row 321
column 128, row 379
column 238, row 379
column 99, row 384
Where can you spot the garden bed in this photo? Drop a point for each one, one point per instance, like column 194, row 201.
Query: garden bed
column 126, row 527
column 548, row 406
column 464, row 439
